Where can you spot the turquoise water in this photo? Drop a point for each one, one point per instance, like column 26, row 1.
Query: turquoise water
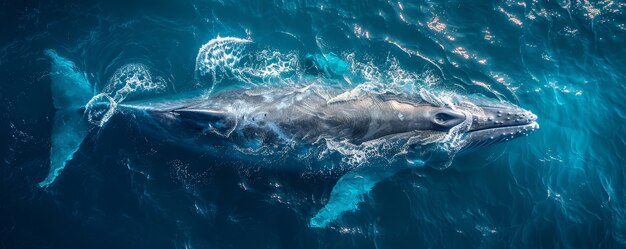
column 563, row 186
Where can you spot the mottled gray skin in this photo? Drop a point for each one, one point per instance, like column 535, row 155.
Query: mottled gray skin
column 311, row 114
column 428, row 131
column 308, row 116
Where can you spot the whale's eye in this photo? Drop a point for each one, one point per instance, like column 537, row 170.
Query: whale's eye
column 447, row 118
column 443, row 117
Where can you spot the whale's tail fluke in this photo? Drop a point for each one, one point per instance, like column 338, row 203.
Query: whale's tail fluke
column 71, row 91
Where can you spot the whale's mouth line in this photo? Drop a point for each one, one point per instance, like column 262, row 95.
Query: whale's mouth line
column 480, row 138
column 531, row 124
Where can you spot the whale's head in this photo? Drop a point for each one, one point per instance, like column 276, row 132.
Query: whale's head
column 478, row 122
column 495, row 122
column 463, row 124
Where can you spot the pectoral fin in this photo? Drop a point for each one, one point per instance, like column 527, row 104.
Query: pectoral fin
column 349, row 192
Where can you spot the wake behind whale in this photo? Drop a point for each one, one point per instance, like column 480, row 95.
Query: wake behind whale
column 311, row 119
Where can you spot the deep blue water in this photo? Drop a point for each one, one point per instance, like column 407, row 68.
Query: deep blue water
column 562, row 187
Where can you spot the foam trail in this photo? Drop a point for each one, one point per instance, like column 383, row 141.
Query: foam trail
column 70, row 91
column 128, row 80
column 239, row 61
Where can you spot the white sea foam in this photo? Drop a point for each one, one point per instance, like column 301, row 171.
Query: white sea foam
column 128, row 80
column 132, row 79
column 235, row 59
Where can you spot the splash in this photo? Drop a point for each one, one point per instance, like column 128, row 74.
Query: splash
column 219, row 56
column 127, row 81
column 235, row 59
column 388, row 77
column 132, row 79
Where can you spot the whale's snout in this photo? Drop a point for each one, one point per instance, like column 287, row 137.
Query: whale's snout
column 497, row 122
column 497, row 117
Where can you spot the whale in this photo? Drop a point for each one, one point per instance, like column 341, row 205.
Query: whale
column 422, row 129
column 310, row 114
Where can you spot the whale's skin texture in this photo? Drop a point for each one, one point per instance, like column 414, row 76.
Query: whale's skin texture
column 313, row 115
column 306, row 116
column 310, row 114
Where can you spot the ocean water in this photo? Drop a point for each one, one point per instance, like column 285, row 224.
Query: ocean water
column 563, row 186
